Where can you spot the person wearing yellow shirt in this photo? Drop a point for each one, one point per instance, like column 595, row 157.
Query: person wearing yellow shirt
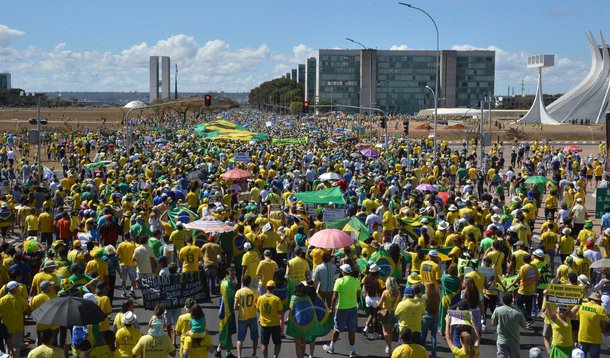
column 245, row 307
column 45, row 295
column 46, row 346
column 250, row 261
column 190, row 256
column 550, row 204
column 527, row 278
column 593, row 322
column 298, row 268
column 605, row 243
column 430, row 270
column 317, row 253
column 13, row 307
column 127, row 336
column 265, row 270
column 549, row 241
column 516, row 259
column 178, row 237
column 410, row 347
column 270, row 308
column 452, row 214
column 469, row 342
column 98, row 265
column 566, row 243
column 47, row 274
column 31, row 223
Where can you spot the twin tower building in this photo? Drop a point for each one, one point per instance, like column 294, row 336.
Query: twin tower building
column 156, row 82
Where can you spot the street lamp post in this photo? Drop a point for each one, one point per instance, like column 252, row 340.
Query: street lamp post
column 370, row 104
column 436, row 74
column 38, row 129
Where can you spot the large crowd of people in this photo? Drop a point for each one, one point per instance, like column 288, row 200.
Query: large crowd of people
column 445, row 248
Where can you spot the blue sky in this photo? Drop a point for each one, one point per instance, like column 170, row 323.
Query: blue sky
column 235, row 45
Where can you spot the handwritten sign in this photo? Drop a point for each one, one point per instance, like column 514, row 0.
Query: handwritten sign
column 171, row 291
column 565, row 294
column 333, row 214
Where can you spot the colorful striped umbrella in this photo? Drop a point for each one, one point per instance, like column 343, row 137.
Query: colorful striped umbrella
column 209, row 224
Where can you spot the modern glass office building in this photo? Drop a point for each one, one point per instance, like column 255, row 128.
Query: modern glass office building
column 5, row 80
column 395, row 81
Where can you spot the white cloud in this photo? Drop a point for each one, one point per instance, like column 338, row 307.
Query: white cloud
column 511, row 69
column 402, row 47
column 6, row 34
column 215, row 65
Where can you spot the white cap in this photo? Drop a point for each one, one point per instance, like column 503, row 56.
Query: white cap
column 346, row 268
column 247, row 246
column 579, row 200
column 578, row 353
column 373, row 268
column 424, row 221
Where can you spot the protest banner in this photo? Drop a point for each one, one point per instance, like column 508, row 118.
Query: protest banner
column 171, row 291
column 460, row 317
column 333, row 214
column 490, row 277
column 286, row 141
column 565, row 294
column 241, row 157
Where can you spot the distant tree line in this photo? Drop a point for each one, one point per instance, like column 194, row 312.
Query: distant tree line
column 280, row 94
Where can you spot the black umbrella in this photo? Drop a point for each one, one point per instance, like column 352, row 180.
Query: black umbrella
column 68, row 312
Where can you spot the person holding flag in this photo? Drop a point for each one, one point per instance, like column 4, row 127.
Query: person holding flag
column 226, row 314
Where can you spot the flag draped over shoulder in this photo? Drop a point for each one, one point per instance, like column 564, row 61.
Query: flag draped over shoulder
column 226, row 325
column 387, row 266
column 182, row 214
column 303, row 320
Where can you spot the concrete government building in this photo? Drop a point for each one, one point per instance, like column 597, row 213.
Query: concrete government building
column 395, row 81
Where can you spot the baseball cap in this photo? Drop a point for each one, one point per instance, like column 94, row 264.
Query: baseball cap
column 424, row 221
column 346, row 268
column 588, row 223
column 267, row 253
column 569, row 260
column 535, row 353
column 270, row 283
column 433, row 253
column 247, row 246
column 90, row 297
column 46, row 284
column 578, row 353
column 519, row 243
column 49, row 264
column 408, row 290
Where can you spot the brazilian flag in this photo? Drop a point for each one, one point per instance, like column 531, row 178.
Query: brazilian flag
column 387, row 266
column 302, row 321
column 226, row 317
column 284, row 293
column 182, row 214
column 323, row 315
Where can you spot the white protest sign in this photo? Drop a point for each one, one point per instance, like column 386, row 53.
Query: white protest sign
column 333, row 214
column 241, row 157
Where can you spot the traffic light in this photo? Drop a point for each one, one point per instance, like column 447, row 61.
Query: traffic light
column 305, row 107
column 207, row 99
column 383, row 122
column 405, row 125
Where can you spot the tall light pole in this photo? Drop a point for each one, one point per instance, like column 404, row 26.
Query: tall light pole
column 370, row 104
column 438, row 63
column 38, row 129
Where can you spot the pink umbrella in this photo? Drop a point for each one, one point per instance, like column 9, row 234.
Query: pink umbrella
column 572, row 148
column 236, row 174
column 370, row 153
column 425, row 187
column 331, row 239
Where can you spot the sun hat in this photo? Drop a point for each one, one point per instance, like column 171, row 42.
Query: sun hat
column 90, row 297
column 452, row 208
column 584, row 280
column 413, row 278
column 424, row 221
column 568, row 231
column 595, row 296
column 588, row 223
column 110, row 250
column 578, row 353
column 569, row 260
column 495, row 218
column 538, row 253
column 443, row 225
column 129, row 318
column 607, row 232
column 247, row 246
column 374, row 268
column 270, row 283
column 433, row 253
column 49, row 264
column 12, row 285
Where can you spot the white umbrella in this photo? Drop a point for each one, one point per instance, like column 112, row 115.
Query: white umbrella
column 329, row 176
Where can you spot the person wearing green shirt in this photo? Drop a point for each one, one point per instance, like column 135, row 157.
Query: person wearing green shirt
column 507, row 320
column 345, row 300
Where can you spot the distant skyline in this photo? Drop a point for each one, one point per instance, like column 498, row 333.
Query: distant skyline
column 72, row 45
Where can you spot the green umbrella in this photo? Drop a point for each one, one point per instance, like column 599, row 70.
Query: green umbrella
column 537, row 179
